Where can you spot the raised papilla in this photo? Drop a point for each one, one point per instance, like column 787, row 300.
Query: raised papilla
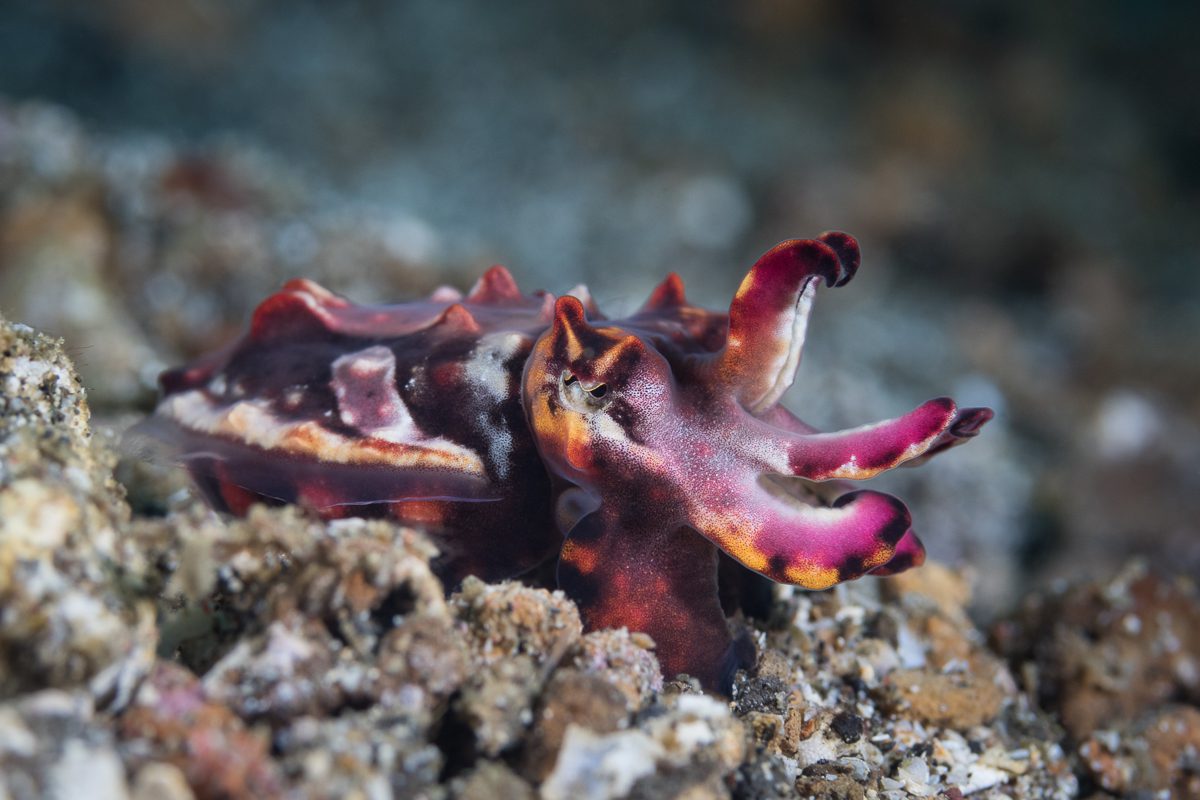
column 527, row 430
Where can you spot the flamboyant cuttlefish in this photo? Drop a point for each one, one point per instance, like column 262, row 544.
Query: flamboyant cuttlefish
column 520, row 428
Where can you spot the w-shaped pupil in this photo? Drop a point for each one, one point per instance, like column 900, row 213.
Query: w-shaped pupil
column 597, row 391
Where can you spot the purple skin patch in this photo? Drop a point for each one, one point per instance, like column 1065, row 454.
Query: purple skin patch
column 522, row 431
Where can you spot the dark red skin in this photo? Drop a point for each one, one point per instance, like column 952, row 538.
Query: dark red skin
column 523, row 429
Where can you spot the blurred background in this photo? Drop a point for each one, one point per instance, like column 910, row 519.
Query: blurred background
column 1024, row 180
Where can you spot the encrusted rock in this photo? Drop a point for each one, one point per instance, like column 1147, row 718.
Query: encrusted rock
column 171, row 720
column 161, row 781
column 1157, row 755
column 624, row 659
column 570, row 698
column 1107, row 650
column 684, row 748
column 492, row 780
column 508, row 619
column 281, row 674
column 64, row 619
column 426, row 651
column 516, row 636
column 828, row 782
column 52, row 746
column 495, row 705
column 957, row 700
column 377, row 752
column 594, row 766
column 365, row 579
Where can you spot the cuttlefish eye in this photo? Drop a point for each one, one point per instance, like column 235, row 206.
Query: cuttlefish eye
column 579, row 395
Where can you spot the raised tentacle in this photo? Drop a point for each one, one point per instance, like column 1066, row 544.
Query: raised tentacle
column 570, row 326
column 864, row 452
column 496, row 287
column 668, row 294
column 769, row 316
column 964, row 425
column 770, row 531
column 584, row 295
column 300, row 307
column 848, row 253
column 909, row 550
column 458, row 317
column 909, row 553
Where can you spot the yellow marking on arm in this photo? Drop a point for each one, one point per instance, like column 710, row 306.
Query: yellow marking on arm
column 810, row 576
column 735, row 535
